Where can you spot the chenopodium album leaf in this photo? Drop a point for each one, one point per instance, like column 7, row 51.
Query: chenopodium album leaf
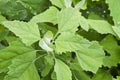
column 91, row 57
column 23, row 68
column 101, row 26
column 15, row 49
column 89, row 54
column 68, row 20
column 13, row 59
column 50, row 15
column 28, row 32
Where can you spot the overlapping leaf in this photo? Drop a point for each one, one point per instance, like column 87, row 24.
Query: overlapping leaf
column 101, row 26
column 28, row 32
column 113, row 49
column 62, row 70
column 91, row 57
column 78, row 73
column 89, row 54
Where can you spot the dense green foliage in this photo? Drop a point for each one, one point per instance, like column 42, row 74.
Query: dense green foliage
column 59, row 40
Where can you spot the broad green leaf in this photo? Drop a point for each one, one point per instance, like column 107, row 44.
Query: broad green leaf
column 15, row 49
column 62, row 70
column 91, row 58
column 50, row 15
column 110, row 45
column 23, row 68
column 78, row 73
column 68, row 20
column 114, row 6
column 70, row 42
column 28, row 32
column 116, row 30
column 61, row 3
column 101, row 26
column 102, row 75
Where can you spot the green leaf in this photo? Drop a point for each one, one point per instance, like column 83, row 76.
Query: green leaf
column 101, row 26
column 70, row 42
column 78, row 72
column 110, row 45
column 114, row 10
column 23, row 68
column 91, row 58
column 62, row 70
column 68, row 20
column 61, row 3
column 28, row 32
column 50, row 15
column 15, row 49
column 102, row 75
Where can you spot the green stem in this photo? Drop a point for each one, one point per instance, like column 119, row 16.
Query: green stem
column 40, row 57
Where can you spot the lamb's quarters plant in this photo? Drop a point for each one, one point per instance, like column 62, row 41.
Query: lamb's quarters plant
column 59, row 40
